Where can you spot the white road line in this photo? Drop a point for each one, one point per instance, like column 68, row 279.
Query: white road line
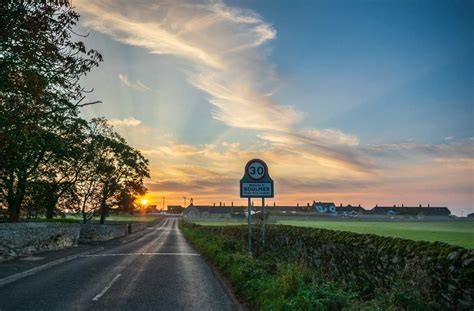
column 142, row 254
column 103, row 291
column 17, row 276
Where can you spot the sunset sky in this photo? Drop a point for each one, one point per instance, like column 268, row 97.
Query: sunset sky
column 355, row 102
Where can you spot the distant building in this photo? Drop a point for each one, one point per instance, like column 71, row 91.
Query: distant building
column 419, row 211
column 151, row 209
column 175, row 209
column 471, row 215
column 324, row 207
column 218, row 212
column 349, row 210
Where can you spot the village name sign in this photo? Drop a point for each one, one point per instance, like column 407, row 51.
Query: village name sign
column 256, row 183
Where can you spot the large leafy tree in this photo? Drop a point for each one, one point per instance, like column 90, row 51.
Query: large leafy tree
column 114, row 175
column 40, row 93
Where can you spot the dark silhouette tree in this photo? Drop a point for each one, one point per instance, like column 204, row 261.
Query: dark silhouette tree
column 40, row 94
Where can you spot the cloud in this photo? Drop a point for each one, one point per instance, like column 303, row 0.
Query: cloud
column 138, row 85
column 127, row 122
column 226, row 55
column 222, row 44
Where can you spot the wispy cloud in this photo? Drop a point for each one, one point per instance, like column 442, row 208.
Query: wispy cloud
column 127, row 122
column 226, row 55
column 137, row 85
column 223, row 45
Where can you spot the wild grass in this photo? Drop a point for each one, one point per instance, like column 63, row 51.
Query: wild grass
column 272, row 283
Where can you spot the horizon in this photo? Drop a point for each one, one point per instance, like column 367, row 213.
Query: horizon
column 352, row 102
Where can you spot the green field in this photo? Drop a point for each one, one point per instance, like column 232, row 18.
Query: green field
column 453, row 232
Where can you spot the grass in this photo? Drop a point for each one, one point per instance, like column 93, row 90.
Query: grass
column 270, row 282
column 452, row 232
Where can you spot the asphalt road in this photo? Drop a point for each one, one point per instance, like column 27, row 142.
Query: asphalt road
column 157, row 271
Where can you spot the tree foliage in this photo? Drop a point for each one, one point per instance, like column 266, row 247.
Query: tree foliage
column 45, row 145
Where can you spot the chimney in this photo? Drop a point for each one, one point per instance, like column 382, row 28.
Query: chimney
column 428, row 204
column 297, row 204
column 252, row 203
column 274, row 204
column 340, row 205
column 214, row 203
column 307, row 204
column 402, row 205
column 232, row 203
column 220, row 203
column 419, row 205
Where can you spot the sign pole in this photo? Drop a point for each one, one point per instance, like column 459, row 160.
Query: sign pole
column 249, row 218
column 263, row 222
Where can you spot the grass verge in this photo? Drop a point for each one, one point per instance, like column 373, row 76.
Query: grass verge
column 270, row 283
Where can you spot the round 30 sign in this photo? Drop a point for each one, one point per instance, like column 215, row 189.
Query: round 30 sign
column 256, row 170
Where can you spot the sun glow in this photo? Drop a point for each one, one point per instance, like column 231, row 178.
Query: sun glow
column 144, row 202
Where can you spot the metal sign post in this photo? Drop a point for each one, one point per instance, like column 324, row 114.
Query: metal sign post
column 256, row 183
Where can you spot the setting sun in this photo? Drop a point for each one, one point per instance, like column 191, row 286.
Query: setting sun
column 144, row 202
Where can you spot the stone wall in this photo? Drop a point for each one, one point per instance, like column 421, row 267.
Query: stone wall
column 24, row 239
column 136, row 226
column 443, row 274
column 96, row 232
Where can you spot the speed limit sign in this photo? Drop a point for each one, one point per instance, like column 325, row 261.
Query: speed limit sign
column 256, row 170
column 256, row 182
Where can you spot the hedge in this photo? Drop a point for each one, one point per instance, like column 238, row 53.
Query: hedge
column 443, row 274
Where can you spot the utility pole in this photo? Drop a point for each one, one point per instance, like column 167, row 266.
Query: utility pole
column 163, row 203
column 184, row 198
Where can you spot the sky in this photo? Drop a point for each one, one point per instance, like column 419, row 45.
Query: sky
column 353, row 102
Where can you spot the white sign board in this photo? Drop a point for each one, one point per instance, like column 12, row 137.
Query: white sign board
column 257, row 189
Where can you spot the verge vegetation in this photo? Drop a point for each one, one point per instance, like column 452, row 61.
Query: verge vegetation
column 315, row 269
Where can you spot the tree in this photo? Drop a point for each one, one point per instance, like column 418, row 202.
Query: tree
column 114, row 175
column 40, row 94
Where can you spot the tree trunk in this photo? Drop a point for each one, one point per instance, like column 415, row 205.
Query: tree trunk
column 15, row 198
column 51, row 204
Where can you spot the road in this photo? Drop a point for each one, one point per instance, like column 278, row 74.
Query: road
column 157, row 271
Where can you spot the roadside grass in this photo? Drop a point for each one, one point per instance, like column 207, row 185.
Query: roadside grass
column 452, row 232
column 272, row 283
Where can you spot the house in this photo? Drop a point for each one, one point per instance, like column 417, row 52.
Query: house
column 212, row 211
column 324, row 207
column 151, row 209
column 349, row 210
column 286, row 209
column 418, row 211
column 175, row 209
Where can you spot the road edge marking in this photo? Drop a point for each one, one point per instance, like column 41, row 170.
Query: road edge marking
column 105, row 289
column 15, row 277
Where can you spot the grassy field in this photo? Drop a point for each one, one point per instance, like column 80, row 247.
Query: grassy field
column 453, row 232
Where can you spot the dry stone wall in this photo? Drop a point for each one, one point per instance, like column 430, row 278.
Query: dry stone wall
column 105, row 232
column 442, row 273
column 24, row 239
